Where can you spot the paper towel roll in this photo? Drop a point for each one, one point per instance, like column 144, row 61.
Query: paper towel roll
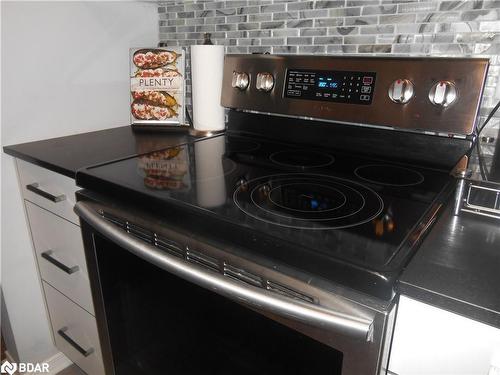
column 207, row 62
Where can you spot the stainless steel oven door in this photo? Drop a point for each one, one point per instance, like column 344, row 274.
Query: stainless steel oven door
column 159, row 311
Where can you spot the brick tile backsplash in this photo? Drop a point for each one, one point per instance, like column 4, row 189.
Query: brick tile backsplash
column 371, row 27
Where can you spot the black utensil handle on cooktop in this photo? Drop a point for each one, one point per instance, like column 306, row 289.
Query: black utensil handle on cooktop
column 47, row 255
column 73, row 343
column 35, row 189
column 351, row 324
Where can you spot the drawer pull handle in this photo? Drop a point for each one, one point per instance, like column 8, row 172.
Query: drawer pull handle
column 69, row 270
column 73, row 343
column 35, row 189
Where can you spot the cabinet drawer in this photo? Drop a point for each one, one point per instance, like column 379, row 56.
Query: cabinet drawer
column 75, row 332
column 48, row 189
column 60, row 255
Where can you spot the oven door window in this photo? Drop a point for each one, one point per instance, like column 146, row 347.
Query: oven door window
column 159, row 323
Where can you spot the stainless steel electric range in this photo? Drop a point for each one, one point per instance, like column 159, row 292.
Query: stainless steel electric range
column 275, row 247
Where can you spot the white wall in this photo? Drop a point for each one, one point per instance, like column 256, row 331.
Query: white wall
column 64, row 70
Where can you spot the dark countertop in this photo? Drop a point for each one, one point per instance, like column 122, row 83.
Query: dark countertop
column 457, row 267
column 66, row 155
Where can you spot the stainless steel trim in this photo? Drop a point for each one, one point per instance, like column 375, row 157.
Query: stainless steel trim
column 477, row 212
column 242, row 275
column 169, row 245
column 47, row 255
column 286, row 291
column 73, row 343
column 482, row 208
column 461, row 174
column 348, row 324
column 459, row 196
column 202, row 260
column 34, row 187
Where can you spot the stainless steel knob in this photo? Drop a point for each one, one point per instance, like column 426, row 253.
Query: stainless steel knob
column 443, row 93
column 264, row 82
column 401, row 91
column 240, row 80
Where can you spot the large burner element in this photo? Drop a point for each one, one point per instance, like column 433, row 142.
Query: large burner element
column 389, row 175
column 302, row 159
column 308, row 201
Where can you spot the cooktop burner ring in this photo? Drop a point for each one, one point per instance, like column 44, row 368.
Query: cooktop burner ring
column 297, row 210
column 306, row 219
column 377, row 204
column 327, row 158
column 415, row 177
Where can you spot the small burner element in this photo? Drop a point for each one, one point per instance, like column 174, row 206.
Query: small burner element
column 303, row 159
column 308, row 201
column 389, row 175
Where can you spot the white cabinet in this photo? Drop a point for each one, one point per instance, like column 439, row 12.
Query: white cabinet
column 48, row 189
column 75, row 332
column 60, row 255
column 49, row 199
column 431, row 341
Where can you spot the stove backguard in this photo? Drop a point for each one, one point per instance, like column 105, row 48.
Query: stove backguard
column 438, row 96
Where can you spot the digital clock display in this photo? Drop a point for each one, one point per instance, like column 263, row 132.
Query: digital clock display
column 327, row 83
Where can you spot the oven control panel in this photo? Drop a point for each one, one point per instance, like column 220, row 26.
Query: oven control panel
column 334, row 86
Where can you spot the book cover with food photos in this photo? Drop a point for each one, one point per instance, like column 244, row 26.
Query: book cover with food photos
column 157, row 86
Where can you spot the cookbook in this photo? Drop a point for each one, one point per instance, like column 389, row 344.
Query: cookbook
column 157, row 86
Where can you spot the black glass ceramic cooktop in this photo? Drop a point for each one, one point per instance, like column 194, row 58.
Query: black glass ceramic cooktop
column 359, row 210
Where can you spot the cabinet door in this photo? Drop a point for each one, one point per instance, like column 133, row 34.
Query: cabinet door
column 48, row 189
column 431, row 341
column 75, row 332
column 60, row 255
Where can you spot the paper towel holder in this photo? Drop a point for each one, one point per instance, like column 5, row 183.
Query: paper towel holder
column 200, row 133
column 192, row 130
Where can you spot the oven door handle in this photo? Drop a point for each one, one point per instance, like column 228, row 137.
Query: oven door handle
column 347, row 324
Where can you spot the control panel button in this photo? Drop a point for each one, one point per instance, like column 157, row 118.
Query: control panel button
column 443, row 93
column 265, row 81
column 401, row 91
column 240, row 80
column 367, row 80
